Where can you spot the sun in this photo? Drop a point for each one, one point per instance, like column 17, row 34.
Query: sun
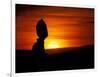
column 51, row 44
column 56, row 43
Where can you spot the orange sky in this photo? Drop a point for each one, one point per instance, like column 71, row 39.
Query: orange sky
column 67, row 27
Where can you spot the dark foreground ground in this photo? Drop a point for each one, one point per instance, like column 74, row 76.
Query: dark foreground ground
column 69, row 59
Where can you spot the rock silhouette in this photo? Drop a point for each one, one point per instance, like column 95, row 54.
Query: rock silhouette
column 38, row 50
column 41, row 29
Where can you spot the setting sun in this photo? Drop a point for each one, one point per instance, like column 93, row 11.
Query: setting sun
column 52, row 44
column 55, row 43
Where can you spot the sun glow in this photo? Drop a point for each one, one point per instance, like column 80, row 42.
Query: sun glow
column 53, row 44
column 50, row 44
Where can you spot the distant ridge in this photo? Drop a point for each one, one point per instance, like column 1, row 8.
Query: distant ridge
column 56, row 50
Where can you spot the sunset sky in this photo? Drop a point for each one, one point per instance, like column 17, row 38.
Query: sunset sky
column 67, row 26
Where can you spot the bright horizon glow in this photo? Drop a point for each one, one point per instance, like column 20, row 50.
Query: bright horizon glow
column 52, row 44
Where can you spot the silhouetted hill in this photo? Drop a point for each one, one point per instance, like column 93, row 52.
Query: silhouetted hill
column 66, row 59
